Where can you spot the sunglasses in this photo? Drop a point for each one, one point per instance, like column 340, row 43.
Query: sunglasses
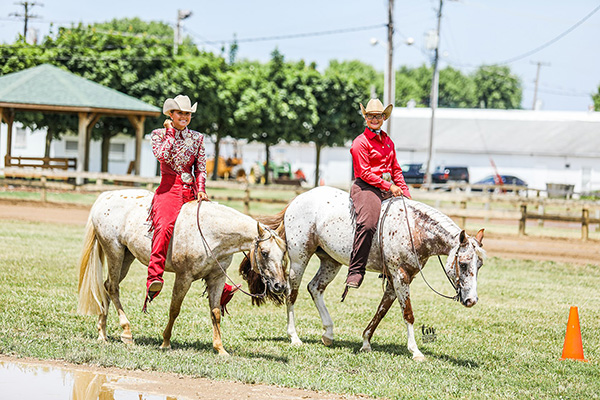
column 375, row 116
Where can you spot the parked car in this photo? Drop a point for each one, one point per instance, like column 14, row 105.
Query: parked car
column 506, row 180
column 413, row 173
column 447, row 173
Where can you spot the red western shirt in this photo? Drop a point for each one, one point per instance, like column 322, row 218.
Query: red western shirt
column 372, row 156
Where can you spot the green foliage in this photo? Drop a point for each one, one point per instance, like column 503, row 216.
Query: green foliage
column 596, row 98
column 497, row 87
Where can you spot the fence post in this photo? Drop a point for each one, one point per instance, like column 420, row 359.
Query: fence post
column 541, row 212
column 463, row 220
column 247, row 200
column 44, row 190
column 585, row 223
column 523, row 220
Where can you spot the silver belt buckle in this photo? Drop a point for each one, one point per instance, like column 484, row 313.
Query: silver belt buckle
column 187, row 178
column 386, row 176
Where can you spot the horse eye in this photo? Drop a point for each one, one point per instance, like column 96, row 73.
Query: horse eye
column 264, row 253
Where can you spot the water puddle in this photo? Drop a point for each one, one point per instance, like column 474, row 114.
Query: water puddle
column 25, row 382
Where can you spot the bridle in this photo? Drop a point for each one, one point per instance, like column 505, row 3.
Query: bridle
column 457, row 286
column 256, row 240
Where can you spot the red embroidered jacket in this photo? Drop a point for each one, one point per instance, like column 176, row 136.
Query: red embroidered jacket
column 372, row 156
column 181, row 152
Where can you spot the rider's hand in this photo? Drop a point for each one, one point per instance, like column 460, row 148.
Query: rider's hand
column 202, row 196
column 396, row 191
column 168, row 124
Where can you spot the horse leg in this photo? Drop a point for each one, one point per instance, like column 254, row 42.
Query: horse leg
column 118, row 260
column 215, row 288
column 386, row 302
column 297, row 268
column 401, row 282
column 180, row 288
column 328, row 270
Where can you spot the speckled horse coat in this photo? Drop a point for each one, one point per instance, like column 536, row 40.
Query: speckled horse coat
column 117, row 231
column 319, row 222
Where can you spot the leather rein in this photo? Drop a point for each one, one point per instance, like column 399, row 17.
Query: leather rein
column 456, row 285
column 257, row 241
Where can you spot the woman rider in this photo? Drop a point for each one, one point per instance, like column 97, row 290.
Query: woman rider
column 180, row 152
column 378, row 177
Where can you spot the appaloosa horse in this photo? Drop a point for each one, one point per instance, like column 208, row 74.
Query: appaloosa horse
column 319, row 222
column 117, row 232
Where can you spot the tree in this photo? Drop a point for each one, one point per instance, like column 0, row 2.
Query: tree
column 277, row 105
column 496, row 87
column 596, row 98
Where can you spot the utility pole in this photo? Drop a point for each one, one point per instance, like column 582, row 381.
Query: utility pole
column 537, row 80
column 26, row 16
column 181, row 15
column 434, row 94
column 389, row 99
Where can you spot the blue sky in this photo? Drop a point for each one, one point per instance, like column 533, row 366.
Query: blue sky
column 473, row 32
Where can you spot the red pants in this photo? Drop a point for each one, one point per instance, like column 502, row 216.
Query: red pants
column 366, row 200
column 166, row 204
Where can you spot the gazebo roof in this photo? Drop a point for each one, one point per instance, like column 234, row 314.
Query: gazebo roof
column 49, row 88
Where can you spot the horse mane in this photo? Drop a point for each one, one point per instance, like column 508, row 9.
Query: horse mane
column 253, row 278
column 441, row 219
column 256, row 284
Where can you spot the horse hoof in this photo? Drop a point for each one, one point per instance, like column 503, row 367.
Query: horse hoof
column 165, row 347
column 127, row 339
column 419, row 358
column 223, row 353
column 296, row 342
column 365, row 349
column 326, row 341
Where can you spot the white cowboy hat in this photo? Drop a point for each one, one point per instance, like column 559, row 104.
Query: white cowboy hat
column 374, row 106
column 181, row 103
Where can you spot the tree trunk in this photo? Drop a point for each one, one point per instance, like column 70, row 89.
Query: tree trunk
column 105, row 150
column 266, row 164
column 215, row 173
column 318, row 148
column 49, row 136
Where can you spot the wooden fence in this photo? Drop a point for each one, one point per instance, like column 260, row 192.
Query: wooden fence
column 458, row 203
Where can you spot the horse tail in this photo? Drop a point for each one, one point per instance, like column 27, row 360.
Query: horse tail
column 93, row 297
column 255, row 283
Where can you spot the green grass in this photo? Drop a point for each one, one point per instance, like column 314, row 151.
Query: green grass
column 507, row 347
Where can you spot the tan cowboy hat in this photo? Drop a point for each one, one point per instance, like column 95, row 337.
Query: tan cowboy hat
column 374, row 106
column 181, row 103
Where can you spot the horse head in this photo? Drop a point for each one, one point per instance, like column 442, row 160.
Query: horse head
column 265, row 269
column 462, row 267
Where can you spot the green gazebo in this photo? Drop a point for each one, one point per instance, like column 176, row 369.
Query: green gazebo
column 47, row 88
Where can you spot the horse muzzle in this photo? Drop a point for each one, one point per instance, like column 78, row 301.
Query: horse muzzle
column 277, row 287
column 469, row 302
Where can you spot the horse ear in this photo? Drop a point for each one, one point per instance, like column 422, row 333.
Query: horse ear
column 479, row 237
column 261, row 231
column 463, row 238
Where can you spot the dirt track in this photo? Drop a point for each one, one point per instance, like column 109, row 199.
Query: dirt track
column 527, row 248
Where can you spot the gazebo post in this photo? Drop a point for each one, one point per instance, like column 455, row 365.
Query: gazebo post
column 138, row 124
column 8, row 116
column 88, row 140
column 84, row 121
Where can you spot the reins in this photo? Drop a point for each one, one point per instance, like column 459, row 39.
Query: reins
column 260, row 296
column 385, row 269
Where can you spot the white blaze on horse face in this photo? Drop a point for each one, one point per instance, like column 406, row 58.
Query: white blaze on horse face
column 466, row 260
column 272, row 260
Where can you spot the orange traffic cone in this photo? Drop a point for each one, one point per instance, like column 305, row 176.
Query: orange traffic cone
column 573, row 347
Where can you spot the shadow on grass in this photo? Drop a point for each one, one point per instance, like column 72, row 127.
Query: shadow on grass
column 453, row 360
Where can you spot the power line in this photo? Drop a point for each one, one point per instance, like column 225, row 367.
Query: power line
column 293, row 36
column 26, row 16
column 548, row 43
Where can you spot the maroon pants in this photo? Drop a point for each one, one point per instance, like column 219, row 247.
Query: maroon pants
column 366, row 200
column 170, row 195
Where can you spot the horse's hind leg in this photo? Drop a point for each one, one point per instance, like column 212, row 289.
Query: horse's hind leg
column 180, row 288
column 316, row 287
column 386, row 302
column 118, row 261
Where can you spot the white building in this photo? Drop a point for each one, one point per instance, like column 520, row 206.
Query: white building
column 538, row 146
